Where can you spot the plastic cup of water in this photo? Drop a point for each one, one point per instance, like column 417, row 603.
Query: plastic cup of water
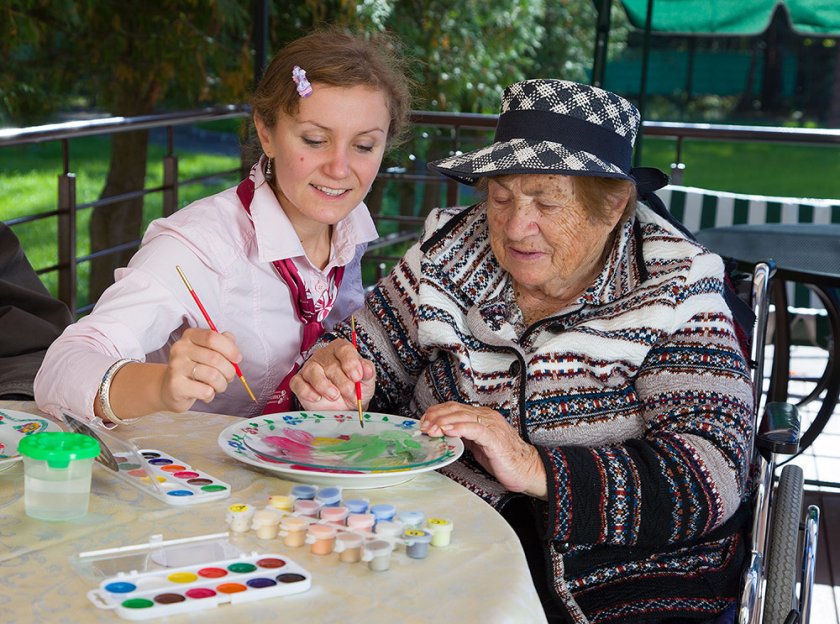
column 57, row 468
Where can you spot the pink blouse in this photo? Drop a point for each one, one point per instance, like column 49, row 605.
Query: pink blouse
column 228, row 262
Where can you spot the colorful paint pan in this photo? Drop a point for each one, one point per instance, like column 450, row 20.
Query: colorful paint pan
column 163, row 593
column 178, row 483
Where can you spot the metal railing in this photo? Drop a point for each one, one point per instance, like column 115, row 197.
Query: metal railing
column 436, row 135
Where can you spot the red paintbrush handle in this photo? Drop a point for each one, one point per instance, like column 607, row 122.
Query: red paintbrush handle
column 212, row 326
column 203, row 311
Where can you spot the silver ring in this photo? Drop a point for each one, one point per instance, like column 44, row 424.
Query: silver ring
column 192, row 375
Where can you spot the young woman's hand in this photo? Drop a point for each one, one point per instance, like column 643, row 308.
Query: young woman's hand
column 327, row 380
column 199, row 368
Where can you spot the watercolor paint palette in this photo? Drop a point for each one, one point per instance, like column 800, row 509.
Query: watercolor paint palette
column 163, row 593
column 153, row 471
column 169, row 479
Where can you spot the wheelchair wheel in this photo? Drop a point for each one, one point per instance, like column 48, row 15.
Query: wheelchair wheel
column 783, row 564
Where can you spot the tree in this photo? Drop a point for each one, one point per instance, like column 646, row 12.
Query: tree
column 129, row 57
column 134, row 57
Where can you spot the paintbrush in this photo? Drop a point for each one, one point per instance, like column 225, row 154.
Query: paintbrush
column 358, row 383
column 213, row 327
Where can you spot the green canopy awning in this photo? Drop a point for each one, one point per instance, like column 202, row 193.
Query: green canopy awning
column 735, row 17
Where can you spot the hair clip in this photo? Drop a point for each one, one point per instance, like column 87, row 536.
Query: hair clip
column 304, row 89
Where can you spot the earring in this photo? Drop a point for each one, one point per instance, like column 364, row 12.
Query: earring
column 269, row 170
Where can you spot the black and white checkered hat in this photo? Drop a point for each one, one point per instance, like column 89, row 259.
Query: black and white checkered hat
column 553, row 126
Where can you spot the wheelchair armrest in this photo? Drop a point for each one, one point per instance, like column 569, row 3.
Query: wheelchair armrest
column 779, row 430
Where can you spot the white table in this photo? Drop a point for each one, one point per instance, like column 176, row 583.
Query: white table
column 481, row 576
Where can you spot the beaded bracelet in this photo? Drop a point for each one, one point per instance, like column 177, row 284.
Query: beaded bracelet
column 105, row 390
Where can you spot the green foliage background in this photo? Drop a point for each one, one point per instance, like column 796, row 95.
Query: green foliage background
column 116, row 56
column 134, row 57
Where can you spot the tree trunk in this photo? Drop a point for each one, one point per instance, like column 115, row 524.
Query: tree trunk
column 118, row 223
column 745, row 102
column 772, row 86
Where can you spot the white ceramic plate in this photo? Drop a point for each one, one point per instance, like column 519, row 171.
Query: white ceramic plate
column 331, row 448
column 14, row 426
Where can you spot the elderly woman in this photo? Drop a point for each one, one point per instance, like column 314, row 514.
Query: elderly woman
column 581, row 346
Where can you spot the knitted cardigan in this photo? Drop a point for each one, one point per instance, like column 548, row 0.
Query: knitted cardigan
column 638, row 398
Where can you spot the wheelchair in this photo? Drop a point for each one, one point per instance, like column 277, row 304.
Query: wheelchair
column 782, row 545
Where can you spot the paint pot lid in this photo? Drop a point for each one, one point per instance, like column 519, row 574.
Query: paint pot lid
column 412, row 518
column 377, row 548
column 58, row 448
column 348, row 540
column 266, row 517
column 361, row 520
column 387, row 528
column 304, row 491
column 293, row 523
column 328, row 495
column 322, row 531
column 417, row 536
column 383, row 510
column 239, row 511
column 280, row 501
column 334, row 514
column 439, row 525
column 357, row 505
column 305, row 505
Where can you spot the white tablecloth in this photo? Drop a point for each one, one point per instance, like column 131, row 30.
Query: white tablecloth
column 481, row 576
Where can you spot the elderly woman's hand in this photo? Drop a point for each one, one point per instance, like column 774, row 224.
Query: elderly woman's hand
column 327, row 380
column 493, row 442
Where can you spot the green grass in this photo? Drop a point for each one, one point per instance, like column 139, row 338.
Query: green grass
column 29, row 185
column 753, row 168
column 29, row 174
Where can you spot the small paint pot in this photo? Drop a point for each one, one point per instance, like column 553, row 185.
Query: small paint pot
column 441, row 531
column 321, row 538
column 361, row 522
column 412, row 519
column 283, row 503
column 417, row 543
column 384, row 511
column 329, row 496
column 266, row 522
column 293, row 530
column 334, row 514
column 306, row 507
column 349, row 545
column 377, row 553
column 304, row 492
column 389, row 530
column 238, row 517
column 357, row 505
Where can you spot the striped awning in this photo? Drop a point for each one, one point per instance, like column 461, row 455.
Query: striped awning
column 820, row 18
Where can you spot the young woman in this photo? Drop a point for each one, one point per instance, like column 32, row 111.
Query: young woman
column 275, row 260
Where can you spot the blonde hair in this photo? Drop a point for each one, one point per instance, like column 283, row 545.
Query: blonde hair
column 331, row 56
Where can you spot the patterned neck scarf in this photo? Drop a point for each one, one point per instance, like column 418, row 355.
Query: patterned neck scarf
column 310, row 311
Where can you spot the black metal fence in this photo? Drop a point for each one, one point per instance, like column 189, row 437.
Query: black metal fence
column 399, row 201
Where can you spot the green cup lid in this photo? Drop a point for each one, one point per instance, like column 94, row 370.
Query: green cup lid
column 58, row 448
